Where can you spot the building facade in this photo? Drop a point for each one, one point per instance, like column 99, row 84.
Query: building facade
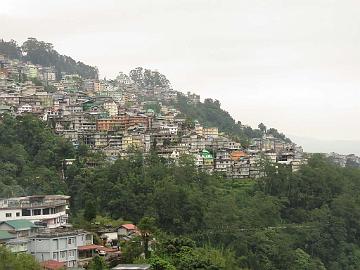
column 49, row 210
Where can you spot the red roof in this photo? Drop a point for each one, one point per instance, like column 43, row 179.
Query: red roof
column 52, row 265
column 89, row 247
column 96, row 247
column 129, row 226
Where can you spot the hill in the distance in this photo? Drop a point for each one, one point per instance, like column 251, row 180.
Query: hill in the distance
column 43, row 53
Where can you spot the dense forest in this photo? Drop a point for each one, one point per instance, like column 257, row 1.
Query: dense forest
column 302, row 220
column 43, row 53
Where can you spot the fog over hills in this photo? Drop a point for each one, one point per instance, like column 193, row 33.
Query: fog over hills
column 326, row 146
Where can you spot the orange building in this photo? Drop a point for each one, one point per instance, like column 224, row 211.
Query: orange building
column 237, row 155
column 122, row 122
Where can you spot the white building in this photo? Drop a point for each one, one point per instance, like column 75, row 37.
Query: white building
column 24, row 108
column 49, row 210
column 111, row 107
column 122, row 78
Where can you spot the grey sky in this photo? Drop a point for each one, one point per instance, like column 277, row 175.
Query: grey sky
column 292, row 64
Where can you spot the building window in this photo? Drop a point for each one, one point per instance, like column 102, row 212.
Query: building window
column 36, row 212
column 8, row 214
column 62, row 254
column 56, row 243
column 46, row 211
column 18, row 214
column 70, row 241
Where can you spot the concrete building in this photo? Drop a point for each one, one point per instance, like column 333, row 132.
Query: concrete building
column 49, row 210
column 61, row 246
column 111, row 107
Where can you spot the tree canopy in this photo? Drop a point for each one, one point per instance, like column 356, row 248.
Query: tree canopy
column 307, row 219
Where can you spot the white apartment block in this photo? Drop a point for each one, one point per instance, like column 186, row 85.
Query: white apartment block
column 49, row 210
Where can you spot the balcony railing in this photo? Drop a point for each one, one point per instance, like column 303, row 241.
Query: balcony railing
column 27, row 204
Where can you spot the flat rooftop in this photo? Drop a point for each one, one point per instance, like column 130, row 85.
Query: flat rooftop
column 33, row 201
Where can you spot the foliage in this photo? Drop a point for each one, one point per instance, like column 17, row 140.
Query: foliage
column 210, row 114
column 10, row 49
column 31, row 157
column 304, row 220
column 148, row 79
column 12, row 261
column 98, row 263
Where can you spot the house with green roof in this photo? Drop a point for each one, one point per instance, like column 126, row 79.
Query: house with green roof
column 208, row 159
column 20, row 227
column 5, row 236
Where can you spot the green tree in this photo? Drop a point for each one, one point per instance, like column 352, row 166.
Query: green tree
column 262, row 127
column 11, row 261
column 98, row 263
column 147, row 228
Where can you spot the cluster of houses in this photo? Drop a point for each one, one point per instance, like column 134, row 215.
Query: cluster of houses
column 132, row 113
column 38, row 225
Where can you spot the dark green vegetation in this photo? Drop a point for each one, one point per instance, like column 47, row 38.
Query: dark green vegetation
column 210, row 114
column 43, row 53
column 10, row 261
column 148, row 79
column 304, row 220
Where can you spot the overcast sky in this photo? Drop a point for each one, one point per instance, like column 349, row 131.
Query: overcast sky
column 292, row 64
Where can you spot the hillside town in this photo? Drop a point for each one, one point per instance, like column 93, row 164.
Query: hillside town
column 117, row 117
column 133, row 112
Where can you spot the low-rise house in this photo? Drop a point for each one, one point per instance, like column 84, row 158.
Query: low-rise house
column 127, row 231
column 109, row 236
column 18, row 245
column 6, row 236
column 20, row 228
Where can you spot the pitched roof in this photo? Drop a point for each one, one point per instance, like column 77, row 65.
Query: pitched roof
column 4, row 235
column 129, row 226
column 98, row 247
column 21, row 224
column 236, row 155
column 206, row 154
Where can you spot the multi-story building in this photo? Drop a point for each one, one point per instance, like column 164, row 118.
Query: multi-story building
column 193, row 98
column 31, row 71
column 111, row 107
column 61, row 246
column 211, row 132
column 49, row 210
column 122, row 78
column 123, row 122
